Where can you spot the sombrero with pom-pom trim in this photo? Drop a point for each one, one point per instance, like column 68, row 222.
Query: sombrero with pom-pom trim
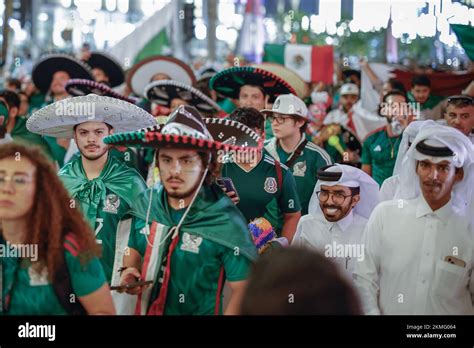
column 81, row 87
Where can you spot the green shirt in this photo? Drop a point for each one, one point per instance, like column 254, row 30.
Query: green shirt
column 259, row 186
column 380, row 151
column 23, row 136
column 105, row 202
column 304, row 169
column 203, row 250
column 32, row 293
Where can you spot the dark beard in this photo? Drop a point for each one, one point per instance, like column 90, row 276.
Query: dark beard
column 186, row 194
column 96, row 157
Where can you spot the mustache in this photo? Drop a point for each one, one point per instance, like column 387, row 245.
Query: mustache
column 432, row 183
column 174, row 178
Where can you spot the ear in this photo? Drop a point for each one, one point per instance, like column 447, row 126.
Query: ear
column 459, row 175
column 355, row 200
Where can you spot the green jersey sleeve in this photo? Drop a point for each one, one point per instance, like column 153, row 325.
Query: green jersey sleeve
column 236, row 265
column 288, row 200
column 85, row 278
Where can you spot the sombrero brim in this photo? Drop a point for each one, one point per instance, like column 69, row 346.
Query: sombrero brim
column 229, row 82
column 240, row 138
column 141, row 74
column 163, row 92
column 300, row 87
column 44, row 70
column 58, row 119
column 80, row 87
column 109, row 65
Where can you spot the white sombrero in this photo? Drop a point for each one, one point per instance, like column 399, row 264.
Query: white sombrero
column 141, row 74
column 58, row 119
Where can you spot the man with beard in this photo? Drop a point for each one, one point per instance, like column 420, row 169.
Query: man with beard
column 460, row 114
column 103, row 185
column 419, row 250
column 50, row 75
column 198, row 239
column 342, row 201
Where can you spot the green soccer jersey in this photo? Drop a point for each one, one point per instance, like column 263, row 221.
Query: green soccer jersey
column 28, row 292
column 214, row 245
column 304, row 168
column 259, row 186
column 23, row 136
column 105, row 202
column 380, row 151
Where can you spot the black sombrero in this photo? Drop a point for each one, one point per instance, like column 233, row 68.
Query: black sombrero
column 44, row 70
column 229, row 81
column 140, row 74
column 110, row 67
column 186, row 129
column 163, row 92
column 78, row 87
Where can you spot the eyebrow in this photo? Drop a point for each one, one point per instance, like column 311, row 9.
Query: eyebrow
column 14, row 173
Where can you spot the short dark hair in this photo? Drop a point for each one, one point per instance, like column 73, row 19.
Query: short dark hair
column 317, row 285
column 14, row 82
column 12, row 98
column 394, row 92
column 305, row 124
column 250, row 117
column 420, row 80
column 396, row 84
column 108, row 126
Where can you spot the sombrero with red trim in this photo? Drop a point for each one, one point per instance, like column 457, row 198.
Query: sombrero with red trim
column 186, row 129
column 79, row 87
column 228, row 82
column 110, row 67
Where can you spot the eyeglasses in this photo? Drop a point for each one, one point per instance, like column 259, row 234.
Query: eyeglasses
column 337, row 197
column 278, row 119
column 19, row 181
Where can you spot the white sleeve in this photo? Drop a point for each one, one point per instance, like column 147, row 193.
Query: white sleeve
column 387, row 191
column 298, row 238
column 366, row 272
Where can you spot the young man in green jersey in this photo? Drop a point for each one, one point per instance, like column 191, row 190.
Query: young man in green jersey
column 198, row 239
column 103, row 186
column 289, row 117
column 261, row 179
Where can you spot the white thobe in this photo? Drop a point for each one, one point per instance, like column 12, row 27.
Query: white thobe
column 315, row 232
column 404, row 270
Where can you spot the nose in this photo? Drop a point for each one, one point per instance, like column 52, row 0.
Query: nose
column 175, row 168
column 8, row 187
column 434, row 174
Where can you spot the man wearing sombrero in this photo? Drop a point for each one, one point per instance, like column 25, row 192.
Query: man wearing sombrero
column 105, row 68
column 251, row 86
column 103, row 186
column 197, row 238
column 50, row 75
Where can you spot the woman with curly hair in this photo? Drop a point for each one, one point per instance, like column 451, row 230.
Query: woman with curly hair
column 49, row 262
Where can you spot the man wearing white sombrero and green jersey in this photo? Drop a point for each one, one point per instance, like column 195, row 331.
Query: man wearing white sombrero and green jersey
column 288, row 118
column 103, row 186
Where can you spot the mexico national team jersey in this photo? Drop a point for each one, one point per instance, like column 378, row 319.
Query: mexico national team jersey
column 213, row 245
column 304, row 168
column 259, row 186
column 105, row 202
column 26, row 291
column 380, row 151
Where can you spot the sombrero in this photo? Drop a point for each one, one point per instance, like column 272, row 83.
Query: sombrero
column 288, row 75
column 44, row 70
column 229, row 81
column 141, row 74
column 81, row 87
column 164, row 91
column 110, row 67
column 186, row 129
column 58, row 119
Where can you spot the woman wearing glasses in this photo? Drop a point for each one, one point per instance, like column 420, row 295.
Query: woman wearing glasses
column 49, row 261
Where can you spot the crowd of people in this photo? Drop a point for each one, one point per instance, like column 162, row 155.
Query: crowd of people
column 239, row 191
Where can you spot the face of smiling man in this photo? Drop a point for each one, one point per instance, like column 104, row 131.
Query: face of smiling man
column 336, row 201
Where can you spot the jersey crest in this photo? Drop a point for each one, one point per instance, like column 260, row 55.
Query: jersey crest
column 111, row 203
column 270, row 185
column 299, row 169
column 191, row 243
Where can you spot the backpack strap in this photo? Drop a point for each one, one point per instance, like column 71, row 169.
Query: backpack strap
column 62, row 282
column 296, row 154
column 279, row 174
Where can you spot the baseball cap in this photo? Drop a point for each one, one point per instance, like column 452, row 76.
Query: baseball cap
column 288, row 104
column 349, row 88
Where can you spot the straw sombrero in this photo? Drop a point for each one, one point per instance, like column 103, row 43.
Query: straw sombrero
column 141, row 73
column 58, row 119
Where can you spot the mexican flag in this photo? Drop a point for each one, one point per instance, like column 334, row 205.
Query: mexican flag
column 465, row 34
column 312, row 63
